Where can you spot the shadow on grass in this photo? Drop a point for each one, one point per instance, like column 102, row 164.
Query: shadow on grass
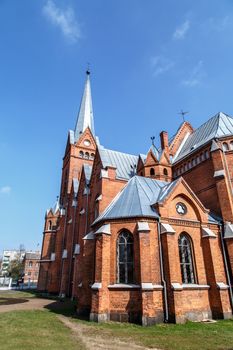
column 66, row 308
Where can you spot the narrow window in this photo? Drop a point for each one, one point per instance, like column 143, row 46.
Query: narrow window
column 125, row 258
column 206, row 154
column 30, row 263
column 165, row 172
column 186, row 259
column 152, row 171
column 231, row 145
column 50, row 225
column 86, row 155
column 225, row 147
column 81, row 154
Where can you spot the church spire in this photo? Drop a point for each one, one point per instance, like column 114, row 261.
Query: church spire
column 85, row 115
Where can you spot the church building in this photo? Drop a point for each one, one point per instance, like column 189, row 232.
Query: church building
column 144, row 238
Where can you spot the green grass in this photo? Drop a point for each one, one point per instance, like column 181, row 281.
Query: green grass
column 189, row 336
column 39, row 330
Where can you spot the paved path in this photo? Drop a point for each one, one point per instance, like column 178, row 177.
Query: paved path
column 30, row 304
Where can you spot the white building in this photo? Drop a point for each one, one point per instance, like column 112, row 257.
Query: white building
column 7, row 257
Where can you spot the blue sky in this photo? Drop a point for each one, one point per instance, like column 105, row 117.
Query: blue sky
column 148, row 59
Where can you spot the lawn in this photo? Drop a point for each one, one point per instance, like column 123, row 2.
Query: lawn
column 189, row 336
column 39, row 330
column 42, row 329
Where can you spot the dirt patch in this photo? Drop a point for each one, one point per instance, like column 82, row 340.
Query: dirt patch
column 97, row 341
column 29, row 304
column 11, row 301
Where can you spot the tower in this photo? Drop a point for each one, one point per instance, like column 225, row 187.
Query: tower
column 81, row 143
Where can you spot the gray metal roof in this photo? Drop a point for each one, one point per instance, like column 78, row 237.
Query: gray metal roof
column 134, row 200
column 124, row 163
column 87, row 171
column 32, row 255
column 218, row 126
column 85, row 115
column 75, row 185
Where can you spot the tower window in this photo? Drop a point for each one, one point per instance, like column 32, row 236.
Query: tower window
column 86, row 155
column 50, row 225
column 165, row 172
column 225, row 146
column 186, row 259
column 231, row 145
column 152, row 171
column 81, row 154
column 125, row 264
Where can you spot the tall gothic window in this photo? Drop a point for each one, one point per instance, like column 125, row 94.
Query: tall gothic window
column 186, row 259
column 125, row 258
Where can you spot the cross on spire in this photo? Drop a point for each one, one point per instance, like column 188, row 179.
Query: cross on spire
column 153, row 140
column 183, row 114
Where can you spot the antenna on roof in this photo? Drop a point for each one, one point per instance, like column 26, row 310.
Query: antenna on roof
column 183, row 114
column 152, row 140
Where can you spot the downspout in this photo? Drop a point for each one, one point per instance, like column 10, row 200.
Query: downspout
column 63, row 240
column 226, row 265
column 72, row 252
column 162, row 273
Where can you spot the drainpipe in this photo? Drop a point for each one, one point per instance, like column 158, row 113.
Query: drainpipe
column 162, row 273
column 63, row 240
column 72, row 252
column 226, row 265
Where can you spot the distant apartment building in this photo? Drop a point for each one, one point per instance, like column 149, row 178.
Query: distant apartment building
column 7, row 257
column 31, row 267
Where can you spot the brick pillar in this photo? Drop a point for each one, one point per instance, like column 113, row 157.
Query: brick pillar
column 216, row 278
column 223, row 185
column 229, row 246
column 100, row 292
column 151, row 313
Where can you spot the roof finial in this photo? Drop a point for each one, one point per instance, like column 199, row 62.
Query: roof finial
column 88, row 69
column 152, row 140
column 183, row 114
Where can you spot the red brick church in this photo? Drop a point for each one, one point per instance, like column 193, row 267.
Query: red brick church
column 144, row 238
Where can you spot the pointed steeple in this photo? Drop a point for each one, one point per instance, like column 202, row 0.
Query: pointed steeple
column 85, row 115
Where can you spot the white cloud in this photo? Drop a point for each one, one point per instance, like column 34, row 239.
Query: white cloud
column 181, row 31
column 196, row 76
column 64, row 19
column 218, row 24
column 161, row 65
column 5, row 189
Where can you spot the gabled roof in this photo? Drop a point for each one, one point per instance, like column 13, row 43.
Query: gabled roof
column 218, row 126
column 134, row 200
column 155, row 151
column 85, row 115
column 124, row 163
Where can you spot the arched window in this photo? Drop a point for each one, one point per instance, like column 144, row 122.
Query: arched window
column 231, row 145
column 86, row 155
column 186, row 259
column 30, row 264
column 225, row 146
column 125, row 258
column 152, row 171
column 193, row 162
column 165, row 172
column 50, row 225
column 92, row 156
column 81, row 154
